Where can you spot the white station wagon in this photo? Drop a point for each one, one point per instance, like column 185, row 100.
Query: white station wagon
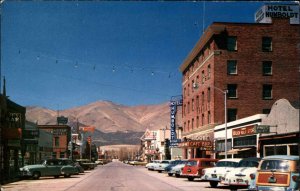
column 214, row 174
column 240, row 175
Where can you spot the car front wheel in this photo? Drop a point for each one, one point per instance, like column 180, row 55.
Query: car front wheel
column 213, row 184
column 36, row 175
column 190, row 178
column 170, row 174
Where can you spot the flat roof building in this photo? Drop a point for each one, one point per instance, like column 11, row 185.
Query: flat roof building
column 253, row 64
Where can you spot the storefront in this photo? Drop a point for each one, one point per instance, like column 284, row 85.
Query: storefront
column 242, row 139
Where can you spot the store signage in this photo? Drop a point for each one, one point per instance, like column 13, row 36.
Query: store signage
column 267, row 12
column 59, row 132
column 62, row 120
column 203, row 145
column 175, row 101
column 244, row 131
column 262, row 129
column 150, row 135
column 88, row 129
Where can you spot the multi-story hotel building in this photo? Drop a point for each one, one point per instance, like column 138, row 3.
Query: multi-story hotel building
column 250, row 64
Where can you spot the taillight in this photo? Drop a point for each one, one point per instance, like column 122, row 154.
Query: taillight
column 252, row 176
column 295, row 178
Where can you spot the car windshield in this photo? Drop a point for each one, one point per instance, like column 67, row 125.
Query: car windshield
column 165, row 162
column 280, row 165
column 247, row 163
column 192, row 163
column 226, row 164
column 207, row 163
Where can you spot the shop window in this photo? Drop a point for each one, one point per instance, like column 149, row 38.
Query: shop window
column 231, row 114
column 267, row 68
column 54, row 155
column 232, row 90
column 244, row 141
column 220, row 145
column 266, row 44
column 294, row 150
column 267, row 91
column 232, row 43
column 231, row 67
column 56, row 141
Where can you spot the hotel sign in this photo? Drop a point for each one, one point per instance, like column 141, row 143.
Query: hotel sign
column 244, row 131
column 175, row 101
column 267, row 12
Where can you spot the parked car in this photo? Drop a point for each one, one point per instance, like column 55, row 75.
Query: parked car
column 214, row 174
column 151, row 165
column 277, row 172
column 240, row 175
column 193, row 168
column 171, row 164
column 49, row 167
column 86, row 164
column 162, row 165
column 177, row 168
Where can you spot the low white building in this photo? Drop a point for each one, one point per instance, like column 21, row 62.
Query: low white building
column 280, row 133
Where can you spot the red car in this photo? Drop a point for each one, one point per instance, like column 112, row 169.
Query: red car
column 193, row 168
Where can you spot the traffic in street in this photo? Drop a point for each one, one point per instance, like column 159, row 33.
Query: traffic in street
column 115, row 176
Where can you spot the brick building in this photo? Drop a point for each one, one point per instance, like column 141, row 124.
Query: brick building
column 255, row 64
column 61, row 136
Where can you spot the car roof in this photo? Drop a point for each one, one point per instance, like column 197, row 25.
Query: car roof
column 203, row 159
column 231, row 160
column 285, row 157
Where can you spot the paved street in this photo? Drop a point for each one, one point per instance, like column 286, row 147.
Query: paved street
column 114, row 176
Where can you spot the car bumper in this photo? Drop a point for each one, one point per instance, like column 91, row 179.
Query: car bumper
column 217, row 178
column 271, row 188
column 25, row 174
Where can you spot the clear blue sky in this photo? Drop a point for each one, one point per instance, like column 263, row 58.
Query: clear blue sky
column 61, row 54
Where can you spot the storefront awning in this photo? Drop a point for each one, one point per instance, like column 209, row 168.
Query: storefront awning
column 234, row 151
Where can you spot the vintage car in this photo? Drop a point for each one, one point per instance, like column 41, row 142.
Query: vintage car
column 193, row 168
column 240, row 175
column 151, row 165
column 49, row 167
column 214, row 174
column 177, row 169
column 162, row 165
column 86, row 164
column 278, row 172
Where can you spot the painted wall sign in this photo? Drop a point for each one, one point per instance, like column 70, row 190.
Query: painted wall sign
column 239, row 132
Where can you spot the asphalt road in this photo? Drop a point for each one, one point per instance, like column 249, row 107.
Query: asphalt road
column 114, row 176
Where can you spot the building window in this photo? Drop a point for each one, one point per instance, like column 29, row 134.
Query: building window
column 197, row 122
column 232, row 90
column 266, row 44
column 188, row 90
column 184, row 109
column 56, row 141
column 197, row 103
column 266, row 111
column 232, row 43
column 188, row 107
column 62, row 155
column 193, row 105
column 267, row 68
column 203, row 77
column 231, row 67
column 208, row 95
column 208, row 117
column 202, row 99
column 54, row 155
column 192, row 123
column 202, row 120
column 232, row 114
column 208, row 72
column 267, row 91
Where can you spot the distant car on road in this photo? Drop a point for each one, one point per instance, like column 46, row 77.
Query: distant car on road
column 162, row 165
column 176, row 170
column 151, row 165
column 193, row 168
column 49, row 167
column 214, row 174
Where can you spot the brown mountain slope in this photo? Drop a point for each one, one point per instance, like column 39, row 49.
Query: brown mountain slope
column 108, row 117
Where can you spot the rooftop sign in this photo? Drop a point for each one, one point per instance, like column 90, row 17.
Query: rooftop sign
column 267, row 12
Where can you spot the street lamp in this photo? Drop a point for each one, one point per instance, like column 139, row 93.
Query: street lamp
column 195, row 86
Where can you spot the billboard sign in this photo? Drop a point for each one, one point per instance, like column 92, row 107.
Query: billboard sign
column 267, row 12
column 175, row 101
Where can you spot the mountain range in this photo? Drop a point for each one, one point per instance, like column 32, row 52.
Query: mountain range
column 114, row 123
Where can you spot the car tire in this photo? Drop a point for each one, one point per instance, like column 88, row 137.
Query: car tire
column 56, row 176
column 67, row 175
column 159, row 171
column 170, row 174
column 190, row 178
column 213, row 184
column 177, row 175
column 36, row 175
